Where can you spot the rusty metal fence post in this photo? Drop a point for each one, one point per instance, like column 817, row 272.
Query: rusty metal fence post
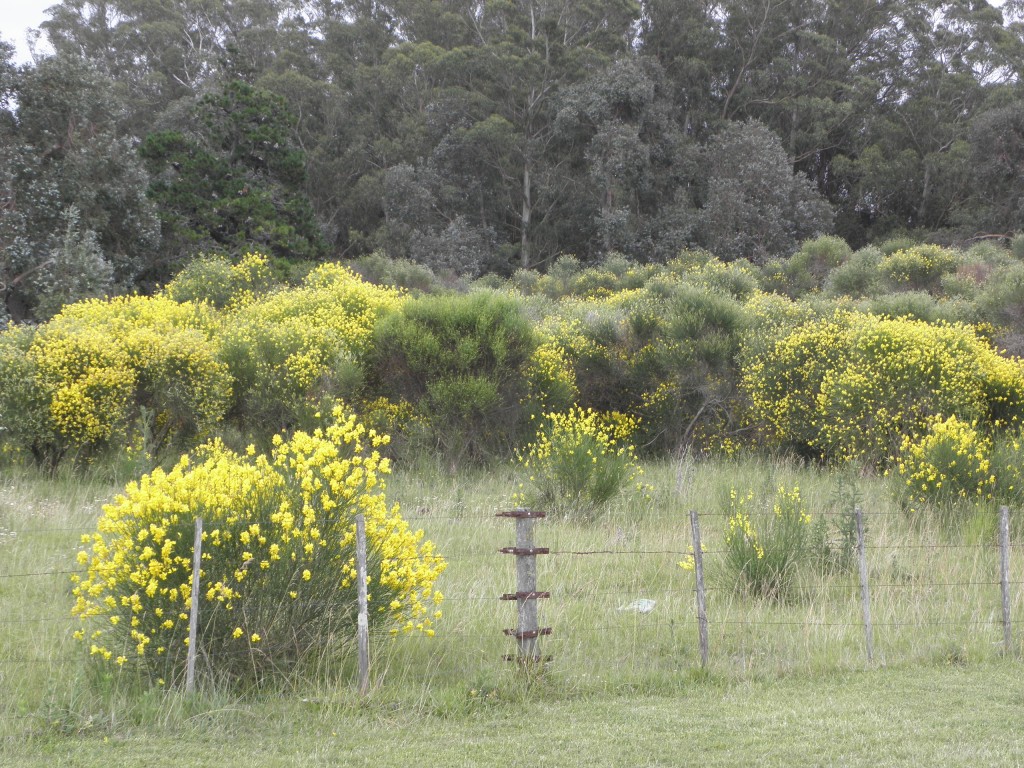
column 527, row 632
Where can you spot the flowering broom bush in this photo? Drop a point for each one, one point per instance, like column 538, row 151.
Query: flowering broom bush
column 579, row 461
column 88, row 375
column 278, row 576
column 853, row 386
column 294, row 350
column 951, row 463
column 765, row 540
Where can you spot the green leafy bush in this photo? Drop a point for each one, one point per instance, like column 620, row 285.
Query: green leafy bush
column 462, row 359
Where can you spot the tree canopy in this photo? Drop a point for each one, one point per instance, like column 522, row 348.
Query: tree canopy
column 478, row 136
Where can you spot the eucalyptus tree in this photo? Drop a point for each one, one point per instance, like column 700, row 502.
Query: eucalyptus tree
column 754, row 206
column 637, row 164
column 162, row 52
column 475, row 88
column 74, row 188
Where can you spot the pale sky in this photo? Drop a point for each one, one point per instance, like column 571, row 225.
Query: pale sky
column 17, row 16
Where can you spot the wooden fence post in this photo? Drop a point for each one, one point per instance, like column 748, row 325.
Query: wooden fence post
column 363, row 621
column 527, row 632
column 698, row 571
column 193, row 619
column 865, row 597
column 1004, row 574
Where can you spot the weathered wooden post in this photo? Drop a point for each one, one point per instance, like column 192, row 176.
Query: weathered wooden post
column 193, row 618
column 363, row 621
column 865, row 597
column 1004, row 574
column 527, row 632
column 698, row 572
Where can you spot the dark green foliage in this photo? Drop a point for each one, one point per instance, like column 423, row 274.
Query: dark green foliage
column 461, row 358
column 75, row 220
column 235, row 181
column 754, row 206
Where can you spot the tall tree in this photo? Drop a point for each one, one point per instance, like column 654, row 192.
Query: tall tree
column 754, row 206
column 64, row 160
column 234, row 181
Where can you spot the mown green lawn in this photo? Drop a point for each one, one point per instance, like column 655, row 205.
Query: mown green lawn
column 922, row 716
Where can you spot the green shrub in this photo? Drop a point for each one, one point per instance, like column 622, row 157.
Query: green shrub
column 25, row 426
column 859, row 276
column 1001, row 302
column 462, row 359
column 914, row 305
column 807, row 269
column 1017, row 246
column 766, row 540
column 380, row 270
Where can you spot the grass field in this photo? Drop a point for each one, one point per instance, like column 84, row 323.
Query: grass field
column 787, row 683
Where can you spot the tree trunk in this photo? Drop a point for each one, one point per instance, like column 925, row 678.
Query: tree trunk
column 524, row 220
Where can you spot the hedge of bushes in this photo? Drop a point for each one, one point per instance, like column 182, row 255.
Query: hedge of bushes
column 834, row 355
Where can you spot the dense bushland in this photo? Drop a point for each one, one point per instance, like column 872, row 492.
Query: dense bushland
column 836, row 356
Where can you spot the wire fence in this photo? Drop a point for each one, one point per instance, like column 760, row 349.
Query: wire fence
column 626, row 603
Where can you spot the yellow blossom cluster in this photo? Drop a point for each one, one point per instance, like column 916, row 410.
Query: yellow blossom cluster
column 550, row 378
column 919, row 267
column 580, row 459
column 294, row 348
column 99, row 362
column 852, row 386
column 951, row 462
column 278, row 557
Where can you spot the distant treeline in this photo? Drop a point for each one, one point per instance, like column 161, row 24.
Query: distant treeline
column 480, row 137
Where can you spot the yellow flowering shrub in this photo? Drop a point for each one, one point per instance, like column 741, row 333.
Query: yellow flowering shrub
column 550, row 378
column 766, row 538
column 919, row 267
column 101, row 363
column 219, row 282
column 854, row 385
column 278, row 576
column 579, row 460
column 296, row 349
column 950, row 463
